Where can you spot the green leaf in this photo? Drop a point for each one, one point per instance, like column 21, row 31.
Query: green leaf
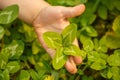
column 59, row 59
column 15, row 49
column 116, row 3
column 1, row 75
column 52, row 39
column 114, row 59
column 24, row 75
column 116, row 73
column 82, row 1
column 13, row 33
column 103, row 56
column 3, row 63
column 28, row 31
column 88, row 45
column 102, row 12
column 6, row 75
column 13, row 66
column 83, row 37
column 36, row 47
column 90, row 31
column 2, row 32
column 75, row 2
column 69, row 34
column 93, row 56
column 31, row 59
column 116, row 25
column 109, row 4
column 4, row 55
column 85, row 77
column 34, row 75
column 107, row 73
column 12, row 51
column 72, row 50
column 99, row 64
column 100, row 45
column 87, row 18
column 47, row 66
column 9, row 14
column 55, row 74
column 111, row 39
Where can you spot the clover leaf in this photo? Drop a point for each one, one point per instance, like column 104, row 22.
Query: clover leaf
column 114, row 59
column 52, row 39
column 9, row 14
column 69, row 34
column 59, row 59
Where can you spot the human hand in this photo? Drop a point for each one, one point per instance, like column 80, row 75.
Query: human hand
column 54, row 18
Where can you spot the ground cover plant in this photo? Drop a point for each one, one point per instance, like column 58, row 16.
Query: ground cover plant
column 98, row 32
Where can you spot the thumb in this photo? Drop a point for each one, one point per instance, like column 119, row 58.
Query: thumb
column 70, row 12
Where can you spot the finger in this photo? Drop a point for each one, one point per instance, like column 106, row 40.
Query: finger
column 71, row 66
column 70, row 12
column 77, row 59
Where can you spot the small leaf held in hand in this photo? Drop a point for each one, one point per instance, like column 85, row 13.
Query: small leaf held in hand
column 52, row 39
column 59, row 59
column 69, row 34
column 72, row 50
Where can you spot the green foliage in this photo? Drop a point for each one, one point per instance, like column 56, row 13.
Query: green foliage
column 111, row 39
column 102, row 12
column 98, row 32
column 116, row 25
column 13, row 66
column 114, row 59
column 2, row 31
column 24, row 75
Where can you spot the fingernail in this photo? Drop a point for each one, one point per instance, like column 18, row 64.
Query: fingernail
column 78, row 60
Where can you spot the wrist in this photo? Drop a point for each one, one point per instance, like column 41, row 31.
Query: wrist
column 37, row 9
column 38, row 14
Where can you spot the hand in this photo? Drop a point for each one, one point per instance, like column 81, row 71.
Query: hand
column 54, row 18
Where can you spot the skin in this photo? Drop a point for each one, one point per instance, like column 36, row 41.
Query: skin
column 44, row 17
